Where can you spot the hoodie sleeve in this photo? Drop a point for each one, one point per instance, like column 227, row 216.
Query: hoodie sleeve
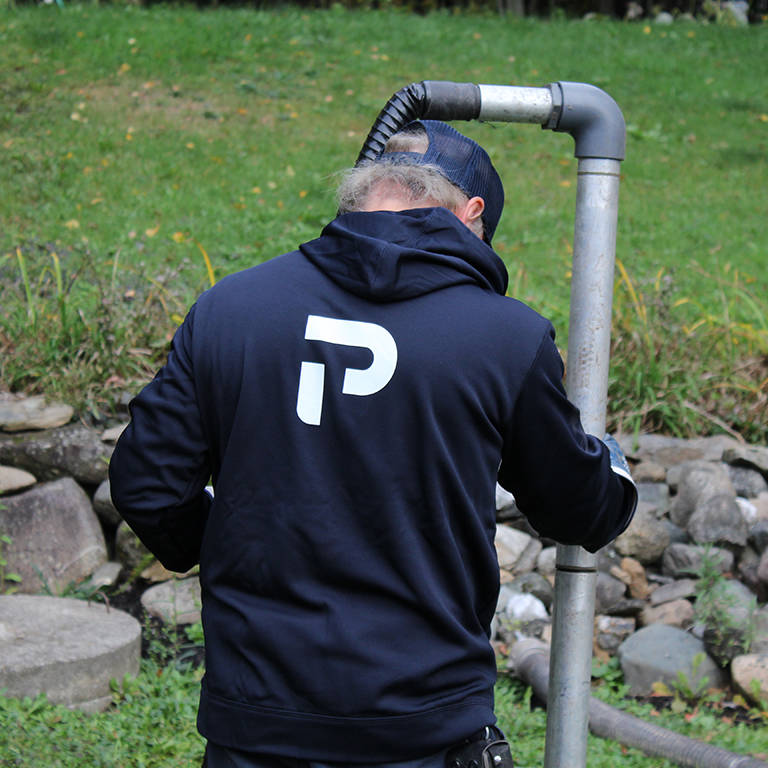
column 160, row 465
column 561, row 477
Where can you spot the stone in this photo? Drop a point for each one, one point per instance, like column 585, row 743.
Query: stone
column 664, row 18
column 105, row 575
column 680, row 560
column 658, row 652
column 608, row 592
column 750, row 456
column 676, row 613
column 748, row 510
column 675, row 590
column 129, row 550
column 73, row 451
column 750, row 675
column 612, row 631
column 157, row 572
column 654, row 494
column 747, row 482
column 103, row 506
column 55, row 536
column 18, row 414
column 638, row 583
column 760, row 636
column 758, row 536
column 645, row 539
column 174, row 602
column 517, row 551
column 12, row 479
column 762, row 571
column 649, row 472
column 505, row 504
column 669, row 451
column 545, row 562
column 718, row 520
column 727, row 612
column 735, row 13
column 761, row 506
column 113, row 433
column 535, row 584
column 699, row 480
column 66, row 649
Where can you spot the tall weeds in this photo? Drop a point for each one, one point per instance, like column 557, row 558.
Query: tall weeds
column 682, row 367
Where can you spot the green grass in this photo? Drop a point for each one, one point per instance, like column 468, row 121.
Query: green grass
column 152, row 725
column 132, row 140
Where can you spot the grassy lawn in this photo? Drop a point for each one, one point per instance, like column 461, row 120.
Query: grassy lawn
column 152, row 725
column 155, row 150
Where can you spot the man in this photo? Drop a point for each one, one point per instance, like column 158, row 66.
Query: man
column 355, row 402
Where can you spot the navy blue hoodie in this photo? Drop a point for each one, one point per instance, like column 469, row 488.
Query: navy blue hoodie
column 354, row 403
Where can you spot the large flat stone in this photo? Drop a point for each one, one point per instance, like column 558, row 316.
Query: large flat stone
column 66, row 649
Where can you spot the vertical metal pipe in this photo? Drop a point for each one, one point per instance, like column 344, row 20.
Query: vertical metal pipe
column 589, row 336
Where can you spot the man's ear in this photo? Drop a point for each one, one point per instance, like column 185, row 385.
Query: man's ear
column 472, row 211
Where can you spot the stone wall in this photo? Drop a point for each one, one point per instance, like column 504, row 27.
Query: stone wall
column 703, row 509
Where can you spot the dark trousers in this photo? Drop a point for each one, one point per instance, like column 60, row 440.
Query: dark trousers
column 221, row 757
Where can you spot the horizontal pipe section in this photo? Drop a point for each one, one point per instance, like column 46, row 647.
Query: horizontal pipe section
column 515, row 104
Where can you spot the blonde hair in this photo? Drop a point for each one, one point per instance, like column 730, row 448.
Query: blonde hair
column 420, row 185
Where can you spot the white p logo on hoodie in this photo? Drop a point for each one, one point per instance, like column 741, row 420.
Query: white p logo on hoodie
column 357, row 381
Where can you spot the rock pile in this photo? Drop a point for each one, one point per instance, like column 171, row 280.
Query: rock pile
column 687, row 581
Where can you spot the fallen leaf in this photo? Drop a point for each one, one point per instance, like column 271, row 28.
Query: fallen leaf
column 72, row 224
column 152, row 231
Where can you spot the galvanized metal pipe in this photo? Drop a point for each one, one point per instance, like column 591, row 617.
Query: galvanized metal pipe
column 515, row 104
column 594, row 252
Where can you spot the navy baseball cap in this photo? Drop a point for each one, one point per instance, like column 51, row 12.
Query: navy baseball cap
column 463, row 162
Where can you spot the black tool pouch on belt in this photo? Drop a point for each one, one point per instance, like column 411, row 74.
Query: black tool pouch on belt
column 488, row 751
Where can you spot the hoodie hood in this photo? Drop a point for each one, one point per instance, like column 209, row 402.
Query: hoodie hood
column 395, row 255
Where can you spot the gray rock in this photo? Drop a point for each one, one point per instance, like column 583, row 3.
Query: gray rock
column 749, row 562
column 612, row 631
column 12, row 479
column 747, row 482
column 67, row 649
column 649, row 472
column 718, row 520
column 758, row 536
column 699, row 480
column 74, row 451
column 110, row 435
column 608, row 592
column 545, row 562
column 23, row 413
column 676, row 613
column 105, row 575
column 646, row 538
column 675, row 590
column 55, row 535
column 654, row 494
column 750, row 456
column 727, row 612
column 535, row 584
column 750, row 675
column 130, row 551
column 658, row 652
column 517, row 551
column 105, row 509
column 680, row 560
column 677, row 535
column 664, row 18
column 760, row 637
column 762, row 572
column 761, row 506
column 174, row 602
column 669, row 451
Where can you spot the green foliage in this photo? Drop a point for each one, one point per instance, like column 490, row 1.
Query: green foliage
column 150, row 725
column 141, row 171
column 691, row 688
